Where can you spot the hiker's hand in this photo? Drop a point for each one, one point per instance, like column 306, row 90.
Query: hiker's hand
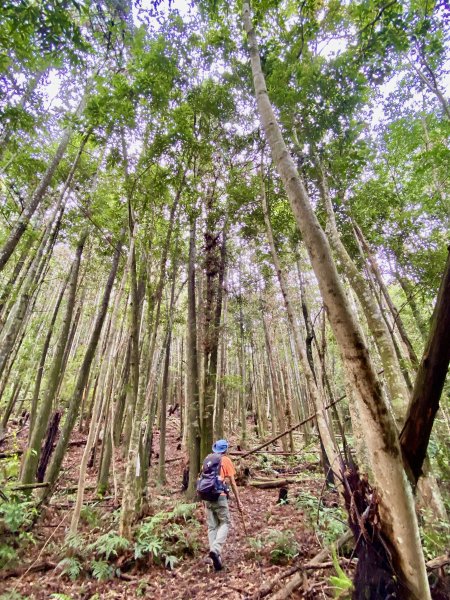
column 240, row 507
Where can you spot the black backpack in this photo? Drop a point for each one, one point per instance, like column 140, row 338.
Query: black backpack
column 209, row 486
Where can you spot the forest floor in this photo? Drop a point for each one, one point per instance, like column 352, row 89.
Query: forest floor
column 280, row 536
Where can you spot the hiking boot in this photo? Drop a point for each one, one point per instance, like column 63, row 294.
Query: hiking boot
column 216, row 560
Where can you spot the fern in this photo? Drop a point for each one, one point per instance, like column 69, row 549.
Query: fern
column 148, row 545
column 170, row 561
column 184, row 510
column 71, row 566
column 7, row 555
column 61, row 597
column 13, row 595
column 75, row 543
column 109, row 544
column 101, row 570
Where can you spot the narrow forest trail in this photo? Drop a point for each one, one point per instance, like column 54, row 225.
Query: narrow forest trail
column 248, row 564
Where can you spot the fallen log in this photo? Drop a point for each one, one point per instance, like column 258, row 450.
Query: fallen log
column 297, row 581
column 40, row 567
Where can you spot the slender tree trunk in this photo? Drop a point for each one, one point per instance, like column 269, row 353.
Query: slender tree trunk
column 397, row 388
column 399, row 522
column 317, row 394
column 22, row 222
column 40, row 371
column 192, row 389
column 165, row 384
column 32, row 455
column 395, row 314
column 16, row 318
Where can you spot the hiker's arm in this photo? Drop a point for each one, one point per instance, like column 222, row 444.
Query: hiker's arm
column 235, row 491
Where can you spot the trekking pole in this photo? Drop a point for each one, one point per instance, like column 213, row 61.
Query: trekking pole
column 243, row 523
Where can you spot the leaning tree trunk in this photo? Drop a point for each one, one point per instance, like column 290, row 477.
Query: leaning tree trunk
column 429, row 382
column 31, row 456
column 16, row 317
column 398, row 390
column 83, row 375
column 44, row 352
column 22, row 222
column 399, row 522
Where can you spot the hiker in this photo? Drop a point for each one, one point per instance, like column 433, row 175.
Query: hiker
column 217, row 471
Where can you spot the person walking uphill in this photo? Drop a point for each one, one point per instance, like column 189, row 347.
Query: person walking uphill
column 217, row 471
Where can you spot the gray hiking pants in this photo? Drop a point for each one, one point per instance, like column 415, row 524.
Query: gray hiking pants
column 218, row 520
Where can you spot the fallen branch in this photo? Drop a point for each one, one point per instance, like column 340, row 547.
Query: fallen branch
column 11, row 454
column 325, row 554
column 438, row 562
column 268, row 587
column 28, row 486
column 330, row 564
column 268, row 484
column 297, row 581
column 45, row 545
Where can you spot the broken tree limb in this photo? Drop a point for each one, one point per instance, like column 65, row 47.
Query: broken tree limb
column 296, row 426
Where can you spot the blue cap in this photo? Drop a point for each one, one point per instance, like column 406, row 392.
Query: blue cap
column 220, row 446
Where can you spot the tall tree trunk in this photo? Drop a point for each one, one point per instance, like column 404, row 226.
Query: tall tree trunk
column 192, row 388
column 215, row 270
column 399, row 522
column 398, row 390
column 317, row 394
column 83, row 375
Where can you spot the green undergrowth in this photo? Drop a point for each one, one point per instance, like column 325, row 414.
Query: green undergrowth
column 164, row 539
column 16, row 515
column 435, row 535
column 279, row 547
column 328, row 522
